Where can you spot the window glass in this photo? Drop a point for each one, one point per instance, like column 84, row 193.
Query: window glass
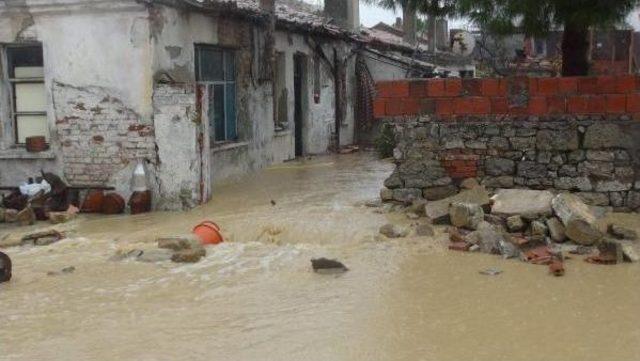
column 30, row 97
column 219, row 112
column 24, row 57
column 29, row 100
column 230, row 107
column 216, row 68
column 210, row 62
column 31, row 125
column 229, row 66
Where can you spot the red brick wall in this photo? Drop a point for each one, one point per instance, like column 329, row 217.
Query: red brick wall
column 509, row 96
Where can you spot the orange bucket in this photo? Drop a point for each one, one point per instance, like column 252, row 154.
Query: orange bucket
column 208, row 232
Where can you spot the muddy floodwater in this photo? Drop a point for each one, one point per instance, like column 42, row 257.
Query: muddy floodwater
column 256, row 298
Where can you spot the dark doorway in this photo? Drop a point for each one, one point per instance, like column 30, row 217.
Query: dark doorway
column 299, row 62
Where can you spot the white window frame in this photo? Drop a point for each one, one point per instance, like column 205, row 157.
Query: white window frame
column 11, row 84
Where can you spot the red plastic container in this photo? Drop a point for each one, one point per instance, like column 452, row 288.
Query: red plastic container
column 208, row 232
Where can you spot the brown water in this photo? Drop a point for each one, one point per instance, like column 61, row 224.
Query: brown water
column 251, row 299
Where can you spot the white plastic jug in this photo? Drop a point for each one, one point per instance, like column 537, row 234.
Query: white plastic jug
column 139, row 179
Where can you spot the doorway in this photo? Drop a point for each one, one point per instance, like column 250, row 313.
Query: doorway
column 299, row 95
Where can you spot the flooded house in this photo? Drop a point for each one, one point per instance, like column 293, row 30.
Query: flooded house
column 197, row 91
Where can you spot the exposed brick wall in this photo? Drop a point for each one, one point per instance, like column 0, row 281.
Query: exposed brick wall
column 509, row 96
column 99, row 135
column 566, row 134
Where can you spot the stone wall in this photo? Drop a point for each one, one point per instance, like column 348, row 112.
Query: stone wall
column 594, row 154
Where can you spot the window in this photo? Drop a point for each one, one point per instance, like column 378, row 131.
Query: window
column 281, row 97
column 215, row 67
column 29, row 101
column 316, row 80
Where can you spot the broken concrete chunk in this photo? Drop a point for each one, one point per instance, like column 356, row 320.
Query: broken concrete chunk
column 466, row 215
column 621, row 232
column 515, row 224
column 556, row 230
column 510, row 202
column 579, row 221
column 393, row 231
column 438, row 211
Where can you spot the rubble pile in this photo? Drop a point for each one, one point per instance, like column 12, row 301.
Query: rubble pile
column 535, row 226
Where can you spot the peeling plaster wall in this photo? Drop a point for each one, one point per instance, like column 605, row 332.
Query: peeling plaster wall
column 98, row 80
column 174, row 34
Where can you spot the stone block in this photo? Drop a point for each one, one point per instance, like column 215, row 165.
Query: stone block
column 562, row 140
column 499, row 166
column 606, row 135
column 406, row 195
column 509, row 202
column 529, row 169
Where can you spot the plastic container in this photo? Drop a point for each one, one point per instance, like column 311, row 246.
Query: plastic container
column 113, row 203
column 208, row 232
column 139, row 179
column 93, row 202
column 140, row 202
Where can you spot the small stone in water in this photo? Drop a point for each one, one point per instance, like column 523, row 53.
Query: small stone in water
column 324, row 265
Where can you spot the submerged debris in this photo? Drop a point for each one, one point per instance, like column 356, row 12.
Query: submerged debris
column 5, row 267
column 490, row 272
column 325, row 265
column 65, row 270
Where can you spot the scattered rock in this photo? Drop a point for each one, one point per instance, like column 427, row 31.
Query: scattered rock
column 621, row 232
column 26, row 217
column 386, row 194
column 425, row 230
column 488, row 237
column 411, row 215
column 179, row 243
column 469, row 183
column 629, row 253
column 438, row 193
column 438, row 211
column 42, row 238
column 539, row 228
column 510, row 202
column 495, row 220
column 10, row 215
column 610, row 252
column 189, row 255
column 556, row 230
column 417, row 206
column 508, row 249
column 394, row 231
column 466, row 215
column 324, row 265
column 515, row 224
column 155, row 255
column 579, row 221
